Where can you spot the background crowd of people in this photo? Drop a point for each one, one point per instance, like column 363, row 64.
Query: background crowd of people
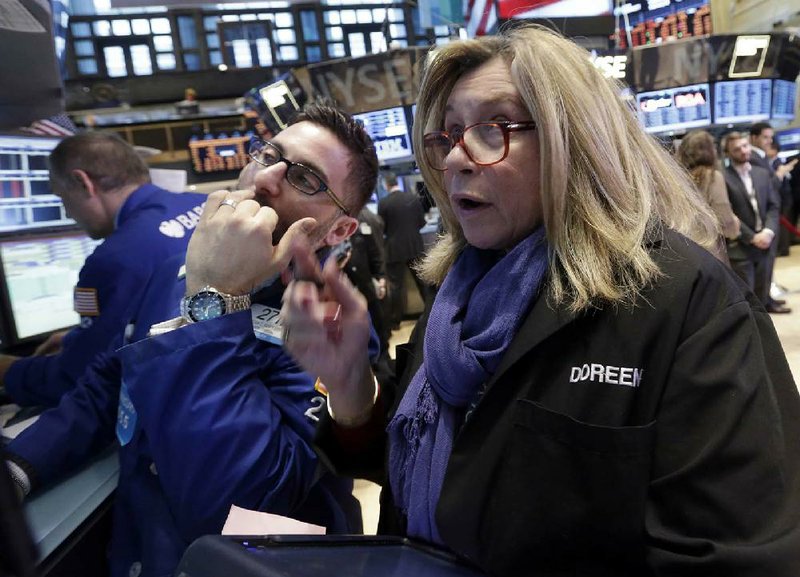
column 755, row 195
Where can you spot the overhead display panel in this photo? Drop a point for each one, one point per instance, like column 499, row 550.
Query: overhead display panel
column 739, row 101
column 674, row 108
column 784, row 95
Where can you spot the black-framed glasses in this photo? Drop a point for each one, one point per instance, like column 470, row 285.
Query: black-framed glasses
column 485, row 143
column 298, row 175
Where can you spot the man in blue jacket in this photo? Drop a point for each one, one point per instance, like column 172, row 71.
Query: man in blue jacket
column 105, row 186
column 210, row 411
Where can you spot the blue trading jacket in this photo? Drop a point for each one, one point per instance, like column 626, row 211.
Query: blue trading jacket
column 152, row 225
column 209, row 416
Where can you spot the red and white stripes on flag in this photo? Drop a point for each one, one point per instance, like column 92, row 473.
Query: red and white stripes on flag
column 480, row 16
column 58, row 125
column 85, row 302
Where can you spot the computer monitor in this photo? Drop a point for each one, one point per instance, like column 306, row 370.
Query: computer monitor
column 38, row 273
column 788, row 139
column 26, row 201
column 742, row 101
column 388, row 129
column 674, row 108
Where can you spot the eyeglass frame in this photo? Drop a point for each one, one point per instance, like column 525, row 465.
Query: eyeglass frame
column 506, row 127
column 323, row 186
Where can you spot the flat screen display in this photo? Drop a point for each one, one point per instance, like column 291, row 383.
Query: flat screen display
column 219, row 153
column 784, row 94
column 39, row 274
column 740, row 101
column 674, row 108
column 389, row 131
column 26, row 201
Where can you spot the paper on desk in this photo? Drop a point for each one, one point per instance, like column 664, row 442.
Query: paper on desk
column 15, row 429
column 7, row 412
column 246, row 522
column 169, row 179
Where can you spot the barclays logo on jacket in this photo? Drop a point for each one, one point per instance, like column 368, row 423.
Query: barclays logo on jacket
column 178, row 226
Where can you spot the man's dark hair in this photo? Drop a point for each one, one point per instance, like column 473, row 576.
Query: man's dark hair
column 350, row 132
column 390, row 179
column 759, row 127
column 109, row 161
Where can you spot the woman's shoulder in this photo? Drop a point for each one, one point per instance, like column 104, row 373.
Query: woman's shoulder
column 688, row 268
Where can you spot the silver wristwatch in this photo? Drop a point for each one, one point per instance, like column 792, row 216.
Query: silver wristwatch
column 208, row 303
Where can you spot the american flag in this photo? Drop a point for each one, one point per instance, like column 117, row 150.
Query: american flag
column 480, row 16
column 85, row 301
column 58, row 125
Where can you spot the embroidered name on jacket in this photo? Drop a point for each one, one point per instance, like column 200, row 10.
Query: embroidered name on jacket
column 625, row 376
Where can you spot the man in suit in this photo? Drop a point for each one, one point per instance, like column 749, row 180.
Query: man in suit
column 403, row 217
column 761, row 138
column 755, row 203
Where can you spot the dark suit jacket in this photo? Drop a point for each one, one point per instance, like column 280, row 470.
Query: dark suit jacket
column 757, row 160
column 768, row 208
column 402, row 216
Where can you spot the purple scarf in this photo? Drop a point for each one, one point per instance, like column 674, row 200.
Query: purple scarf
column 480, row 306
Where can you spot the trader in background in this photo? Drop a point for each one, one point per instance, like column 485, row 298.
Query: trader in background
column 403, row 216
column 105, row 187
column 755, row 204
column 761, row 137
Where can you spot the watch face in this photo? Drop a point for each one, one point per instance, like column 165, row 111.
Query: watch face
column 206, row 305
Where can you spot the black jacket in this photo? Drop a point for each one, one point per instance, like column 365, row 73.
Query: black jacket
column 403, row 218
column 658, row 440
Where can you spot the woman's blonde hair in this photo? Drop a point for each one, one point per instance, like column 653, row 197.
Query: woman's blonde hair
column 606, row 186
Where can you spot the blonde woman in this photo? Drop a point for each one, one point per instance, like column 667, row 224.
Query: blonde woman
column 591, row 392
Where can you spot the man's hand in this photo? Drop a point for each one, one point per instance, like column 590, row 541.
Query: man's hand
column 785, row 169
column 231, row 249
column 5, row 363
column 327, row 331
column 380, row 287
column 763, row 239
column 51, row 345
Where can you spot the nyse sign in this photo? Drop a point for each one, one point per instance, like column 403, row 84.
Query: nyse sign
column 369, row 83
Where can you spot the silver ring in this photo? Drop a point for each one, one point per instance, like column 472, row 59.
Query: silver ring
column 229, row 202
